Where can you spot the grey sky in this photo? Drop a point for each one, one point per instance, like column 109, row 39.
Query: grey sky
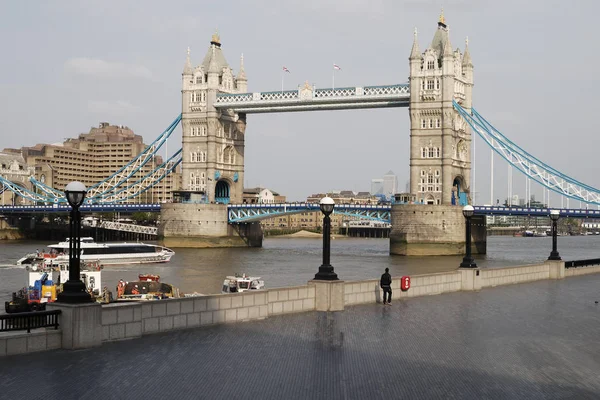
column 66, row 65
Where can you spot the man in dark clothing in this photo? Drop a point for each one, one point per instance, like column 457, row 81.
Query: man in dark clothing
column 386, row 285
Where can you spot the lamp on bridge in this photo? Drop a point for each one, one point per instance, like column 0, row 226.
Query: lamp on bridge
column 74, row 289
column 326, row 270
column 468, row 261
column 554, row 216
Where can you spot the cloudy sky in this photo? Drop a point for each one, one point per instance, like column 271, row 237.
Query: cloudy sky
column 68, row 64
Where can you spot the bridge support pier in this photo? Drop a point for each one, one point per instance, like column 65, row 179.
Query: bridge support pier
column 204, row 226
column 434, row 230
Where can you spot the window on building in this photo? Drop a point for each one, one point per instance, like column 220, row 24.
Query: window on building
column 423, row 124
column 430, row 123
column 198, row 79
column 430, row 84
column 437, row 83
column 423, row 85
column 438, row 123
column 205, row 77
column 431, row 155
column 430, row 64
column 438, row 153
column 423, row 152
column 422, row 174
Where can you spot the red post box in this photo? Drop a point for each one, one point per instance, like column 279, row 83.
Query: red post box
column 405, row 283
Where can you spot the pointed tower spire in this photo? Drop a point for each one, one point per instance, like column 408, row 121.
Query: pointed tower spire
column 415, row 53
column 448, row 52
column 242, row 73
column 187, row 68
column 213, row 66
column 466, row 61
column 442, row 20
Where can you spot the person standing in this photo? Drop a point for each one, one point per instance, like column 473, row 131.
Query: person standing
column 386, row 284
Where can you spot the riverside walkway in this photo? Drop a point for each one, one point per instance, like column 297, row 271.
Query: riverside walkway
column 527, row 341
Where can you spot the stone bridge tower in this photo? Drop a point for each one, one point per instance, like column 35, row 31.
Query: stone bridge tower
column 212, row 141
column 440, row 140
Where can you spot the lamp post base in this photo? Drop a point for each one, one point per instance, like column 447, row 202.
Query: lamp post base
column 74, row 292
column 554, row 256
column 468, row 262
column 326, row 274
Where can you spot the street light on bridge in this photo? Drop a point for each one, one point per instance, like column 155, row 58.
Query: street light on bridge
column 74, row 289
column 326, row 270
column 468, row 261
column 554, row 216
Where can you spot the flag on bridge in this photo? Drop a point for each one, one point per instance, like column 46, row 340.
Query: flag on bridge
column 335, row 66
column 286, row 70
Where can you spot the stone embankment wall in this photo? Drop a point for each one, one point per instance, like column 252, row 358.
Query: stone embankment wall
column 132, row 320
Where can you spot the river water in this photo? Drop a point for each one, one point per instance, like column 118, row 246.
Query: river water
column 294, row 261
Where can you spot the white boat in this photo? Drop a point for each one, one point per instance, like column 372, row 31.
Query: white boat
column 105, row 253
column 242, row 283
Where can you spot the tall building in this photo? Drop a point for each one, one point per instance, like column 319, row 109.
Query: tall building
column 390, row 185
column 376, row 186
column 440, row 139
column 213, row 141
column 93, row 157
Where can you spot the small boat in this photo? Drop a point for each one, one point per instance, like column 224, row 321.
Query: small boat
column 242, row 283
column 147, row 287
column 107, row 253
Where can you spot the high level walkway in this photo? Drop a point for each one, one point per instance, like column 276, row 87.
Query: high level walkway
column 527, row 341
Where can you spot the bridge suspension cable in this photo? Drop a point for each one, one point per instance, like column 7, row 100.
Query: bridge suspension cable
column 527, row 164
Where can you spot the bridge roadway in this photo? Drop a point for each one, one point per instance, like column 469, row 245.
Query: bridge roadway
column 238, row 213
column 526, row 341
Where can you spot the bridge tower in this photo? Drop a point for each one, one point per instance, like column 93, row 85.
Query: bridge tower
column 440, row 140
column 212, row 140
column 440, row 154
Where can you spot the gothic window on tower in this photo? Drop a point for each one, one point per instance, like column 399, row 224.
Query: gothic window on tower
column 198, row 79
column 437, row 83
column 431, row 152
column 430, row 64
column 430, row 84
column 422, row 85
column 202, row 156
column 220, row 79
column 423, row 124
column 431, row 123
column 203, row 97
column 203, row 130
column 438, row 153
column 423, row 152
column 437, row 123
column 425, row 155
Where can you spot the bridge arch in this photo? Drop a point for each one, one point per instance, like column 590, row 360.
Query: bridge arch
column 222, row 191
column 459, row 192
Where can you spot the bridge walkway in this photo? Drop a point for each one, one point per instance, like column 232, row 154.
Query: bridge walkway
column 535, row 341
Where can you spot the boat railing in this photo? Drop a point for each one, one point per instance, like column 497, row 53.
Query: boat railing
column 29, row 320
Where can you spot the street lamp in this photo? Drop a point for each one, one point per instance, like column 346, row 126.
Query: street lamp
column 74, row 289
column 554, row 216
column 468, row 261
column 326, row 270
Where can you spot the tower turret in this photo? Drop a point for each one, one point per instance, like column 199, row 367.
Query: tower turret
column 242, row 81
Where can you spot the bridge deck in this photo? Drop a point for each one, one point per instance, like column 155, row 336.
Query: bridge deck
column 530, row 341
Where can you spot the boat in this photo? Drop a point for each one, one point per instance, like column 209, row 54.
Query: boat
column 44, row 283
column 106, row 253
column 242, row 283
column 147, row 287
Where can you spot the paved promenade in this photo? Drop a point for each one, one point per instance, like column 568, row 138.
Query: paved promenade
column 529, row 341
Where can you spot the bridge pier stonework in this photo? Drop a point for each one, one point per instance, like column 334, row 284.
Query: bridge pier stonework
column 430, row 230
column 204, row 225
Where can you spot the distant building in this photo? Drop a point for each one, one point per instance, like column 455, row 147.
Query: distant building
column 14, row 168
column 376, row 186
column 390, row 185
column 93, row 157
column 260, row 195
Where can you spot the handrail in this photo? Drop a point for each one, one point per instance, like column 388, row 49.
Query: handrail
column 29, row 320
column 582, row 263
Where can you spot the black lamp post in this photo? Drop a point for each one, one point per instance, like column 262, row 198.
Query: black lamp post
column 468, row 261
column 326, row 270
column 554, row 215
column 74, row 289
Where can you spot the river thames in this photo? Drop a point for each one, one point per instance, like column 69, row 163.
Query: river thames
column 294, row 261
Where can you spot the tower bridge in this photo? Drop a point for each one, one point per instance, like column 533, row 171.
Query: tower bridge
column 215, row 106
